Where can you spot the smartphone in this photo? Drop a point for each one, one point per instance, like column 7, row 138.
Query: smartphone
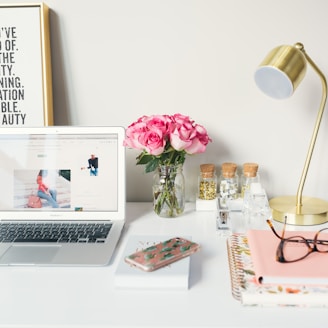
column 162, row 254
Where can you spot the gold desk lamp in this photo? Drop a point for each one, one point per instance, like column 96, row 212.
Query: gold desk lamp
column 278, row 76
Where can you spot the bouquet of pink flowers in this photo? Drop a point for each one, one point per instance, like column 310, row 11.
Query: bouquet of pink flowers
column 165, row 139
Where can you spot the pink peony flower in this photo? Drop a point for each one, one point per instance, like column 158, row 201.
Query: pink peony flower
column 162, row 122
column 199, row 142
column 153, row 141
column 181, row 137
column 182, row 119
column 165, row 139
column 133, row 133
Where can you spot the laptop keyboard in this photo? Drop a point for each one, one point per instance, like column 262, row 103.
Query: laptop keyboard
column 54, row 232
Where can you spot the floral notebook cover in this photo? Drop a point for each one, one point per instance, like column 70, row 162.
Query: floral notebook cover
column 248, row 291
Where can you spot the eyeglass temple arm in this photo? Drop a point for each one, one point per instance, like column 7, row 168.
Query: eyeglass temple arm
column 273, row 229
column 305, row 240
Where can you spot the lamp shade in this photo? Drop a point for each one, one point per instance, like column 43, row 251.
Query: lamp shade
column 281, row 71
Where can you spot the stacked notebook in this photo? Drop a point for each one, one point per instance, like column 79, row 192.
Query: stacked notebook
column 258, row 279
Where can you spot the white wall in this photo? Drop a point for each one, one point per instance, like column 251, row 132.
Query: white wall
column 114, row 61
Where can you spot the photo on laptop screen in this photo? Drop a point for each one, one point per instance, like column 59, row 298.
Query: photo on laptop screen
column 62, row 195
column 71, row 172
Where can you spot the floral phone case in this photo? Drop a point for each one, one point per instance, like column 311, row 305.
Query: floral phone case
column 162, row 254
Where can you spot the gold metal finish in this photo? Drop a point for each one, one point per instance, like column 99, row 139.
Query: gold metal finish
column 46, row 65
column 297, row 209
column 289, row 60
column 312, row 211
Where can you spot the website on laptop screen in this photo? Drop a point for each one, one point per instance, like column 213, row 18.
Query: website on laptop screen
column 59, row 172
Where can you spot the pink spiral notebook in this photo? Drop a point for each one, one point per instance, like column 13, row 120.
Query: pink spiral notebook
column 312, row 270
column 248, row 292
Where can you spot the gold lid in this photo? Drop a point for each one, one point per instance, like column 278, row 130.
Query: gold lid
column 229, row 170
column 207, row 170
column 250, row 169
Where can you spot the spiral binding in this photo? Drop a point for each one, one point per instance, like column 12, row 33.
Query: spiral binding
column 235, row 265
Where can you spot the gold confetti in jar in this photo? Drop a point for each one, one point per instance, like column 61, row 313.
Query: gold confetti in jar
column 207, row 182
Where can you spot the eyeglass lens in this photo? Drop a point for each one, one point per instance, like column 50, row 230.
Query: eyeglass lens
column 296, row 248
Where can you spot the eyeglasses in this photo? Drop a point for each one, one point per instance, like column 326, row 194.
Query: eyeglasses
column 296, row 248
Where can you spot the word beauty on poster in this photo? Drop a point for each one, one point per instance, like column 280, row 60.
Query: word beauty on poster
column 25, row 67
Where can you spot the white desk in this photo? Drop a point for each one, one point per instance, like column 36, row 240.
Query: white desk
column 87, row 297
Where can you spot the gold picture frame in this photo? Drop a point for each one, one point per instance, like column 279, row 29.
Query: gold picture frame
column 25, row 65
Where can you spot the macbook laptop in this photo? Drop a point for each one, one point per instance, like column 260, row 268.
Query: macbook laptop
column 62, row 193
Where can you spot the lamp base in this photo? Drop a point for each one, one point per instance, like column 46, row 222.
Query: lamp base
column 313, row 211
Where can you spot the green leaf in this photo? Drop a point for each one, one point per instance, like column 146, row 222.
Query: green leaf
column 144, row 158
column 166, row 256
column 149, row 256
column 166, row 249
column 152, row 165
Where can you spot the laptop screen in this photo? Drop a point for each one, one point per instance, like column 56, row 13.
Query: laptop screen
column 74, row 172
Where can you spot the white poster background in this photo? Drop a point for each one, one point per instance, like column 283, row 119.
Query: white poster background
column 21, row 61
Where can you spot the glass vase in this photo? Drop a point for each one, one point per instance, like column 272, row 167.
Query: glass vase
column 169, row 191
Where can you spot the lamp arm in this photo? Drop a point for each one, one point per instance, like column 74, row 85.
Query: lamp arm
column 314, row 134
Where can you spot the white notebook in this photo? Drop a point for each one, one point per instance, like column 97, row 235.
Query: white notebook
column 173, row 276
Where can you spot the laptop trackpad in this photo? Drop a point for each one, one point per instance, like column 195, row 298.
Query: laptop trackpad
column 25, row 254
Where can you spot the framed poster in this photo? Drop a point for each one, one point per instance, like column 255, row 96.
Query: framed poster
column 25, row 66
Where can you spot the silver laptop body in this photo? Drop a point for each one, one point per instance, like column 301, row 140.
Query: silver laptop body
column 56, row 178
